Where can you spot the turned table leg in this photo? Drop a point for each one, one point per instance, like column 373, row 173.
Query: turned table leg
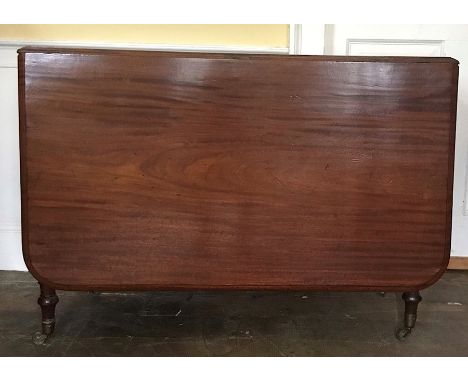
column 47, row 301
column 412, row 299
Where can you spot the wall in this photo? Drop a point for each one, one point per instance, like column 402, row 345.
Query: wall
column 273, row 36
column 309, row 39
column 238, row 38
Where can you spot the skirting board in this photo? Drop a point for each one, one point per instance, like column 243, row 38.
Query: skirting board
column 458, row 262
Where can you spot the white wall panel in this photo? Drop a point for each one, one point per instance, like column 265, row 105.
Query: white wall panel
column 10, row 206
column 394, row 47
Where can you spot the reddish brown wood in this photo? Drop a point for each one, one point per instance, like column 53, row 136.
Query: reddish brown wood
column 144, row 170
column 47, row 301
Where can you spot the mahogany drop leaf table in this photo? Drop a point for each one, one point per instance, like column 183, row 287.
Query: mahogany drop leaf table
column 191, row 171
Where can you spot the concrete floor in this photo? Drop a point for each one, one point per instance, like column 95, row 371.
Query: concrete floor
column 234, row 323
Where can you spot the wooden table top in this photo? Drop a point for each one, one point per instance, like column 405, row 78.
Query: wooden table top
column 150, row 170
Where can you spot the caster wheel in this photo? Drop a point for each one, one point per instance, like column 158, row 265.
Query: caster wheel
column 403, row 333
column 381, row 294
column 39, row 338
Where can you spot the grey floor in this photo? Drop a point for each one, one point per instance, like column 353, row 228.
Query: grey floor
column 234, row 323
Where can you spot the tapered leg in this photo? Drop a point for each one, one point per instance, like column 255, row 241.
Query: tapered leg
column 412, row 299
column 47, row 301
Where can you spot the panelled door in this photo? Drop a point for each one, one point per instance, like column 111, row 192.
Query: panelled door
column 419, row 40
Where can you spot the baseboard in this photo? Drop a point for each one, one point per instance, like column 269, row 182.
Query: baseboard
column 458, row 262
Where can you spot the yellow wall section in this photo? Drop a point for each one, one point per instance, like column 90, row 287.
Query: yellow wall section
column 260, row 35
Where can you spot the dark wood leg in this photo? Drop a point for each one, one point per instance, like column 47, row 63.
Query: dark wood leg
column 412, row 299
column 47, row 301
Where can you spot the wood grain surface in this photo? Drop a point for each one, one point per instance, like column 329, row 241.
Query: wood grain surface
column 145, row 170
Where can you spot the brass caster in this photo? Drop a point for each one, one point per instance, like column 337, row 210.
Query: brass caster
column 403, row 333
column 39, row 338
